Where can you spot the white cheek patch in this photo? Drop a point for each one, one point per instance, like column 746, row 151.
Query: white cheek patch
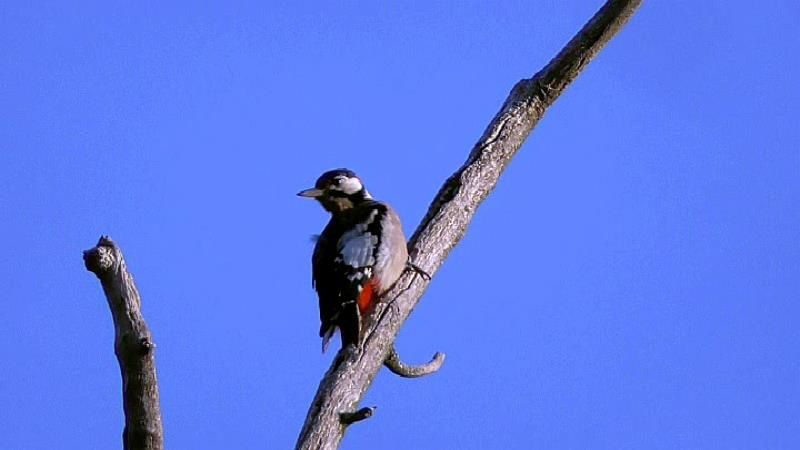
column 350, row 186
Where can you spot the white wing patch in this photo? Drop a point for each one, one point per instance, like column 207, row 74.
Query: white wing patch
column 350, row 185
column 357, row 246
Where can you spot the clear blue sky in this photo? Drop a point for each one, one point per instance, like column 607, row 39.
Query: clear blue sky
column 633, row 282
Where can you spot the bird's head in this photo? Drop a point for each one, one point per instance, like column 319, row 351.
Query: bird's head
column 337, row 190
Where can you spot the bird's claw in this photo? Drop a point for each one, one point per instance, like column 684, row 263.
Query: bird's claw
column 415, row 268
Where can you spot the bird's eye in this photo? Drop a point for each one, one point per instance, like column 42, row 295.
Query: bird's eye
column 338, row 181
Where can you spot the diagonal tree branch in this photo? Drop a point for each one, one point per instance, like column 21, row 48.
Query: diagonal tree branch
column 133, row 345
column 447, row 220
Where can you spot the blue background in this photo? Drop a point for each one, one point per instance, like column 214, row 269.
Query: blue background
column 633, row 282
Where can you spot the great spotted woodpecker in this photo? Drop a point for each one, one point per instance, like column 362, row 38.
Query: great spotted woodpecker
column 359, row 255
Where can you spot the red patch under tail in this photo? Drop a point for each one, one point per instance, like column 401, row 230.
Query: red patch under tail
column 367, row 297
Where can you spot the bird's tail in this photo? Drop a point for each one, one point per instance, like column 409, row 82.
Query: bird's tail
column 326, row 337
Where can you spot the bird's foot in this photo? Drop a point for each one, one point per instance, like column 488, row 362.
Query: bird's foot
column 415, row 268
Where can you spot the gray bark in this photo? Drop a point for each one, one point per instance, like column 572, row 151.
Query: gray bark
column 352, row 371
column 398, row 367
column 133, row 345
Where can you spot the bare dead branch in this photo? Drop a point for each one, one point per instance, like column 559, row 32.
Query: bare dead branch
column 447, row 220
column 397, row 367
column 133, row 345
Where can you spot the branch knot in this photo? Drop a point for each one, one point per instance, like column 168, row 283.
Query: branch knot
column 101, row 258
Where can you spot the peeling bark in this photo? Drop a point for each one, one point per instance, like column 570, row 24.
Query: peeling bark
column 447, row 220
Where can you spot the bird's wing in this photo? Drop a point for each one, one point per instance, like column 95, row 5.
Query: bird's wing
column 356, row 249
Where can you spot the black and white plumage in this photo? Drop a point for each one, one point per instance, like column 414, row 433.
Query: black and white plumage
column 359, row 255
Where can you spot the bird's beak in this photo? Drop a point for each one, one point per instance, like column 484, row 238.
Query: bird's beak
column 311, row 193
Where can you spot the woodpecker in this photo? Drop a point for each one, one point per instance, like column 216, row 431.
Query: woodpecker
column 359, row 255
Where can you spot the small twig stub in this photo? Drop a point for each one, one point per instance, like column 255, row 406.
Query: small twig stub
column 349, row 418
